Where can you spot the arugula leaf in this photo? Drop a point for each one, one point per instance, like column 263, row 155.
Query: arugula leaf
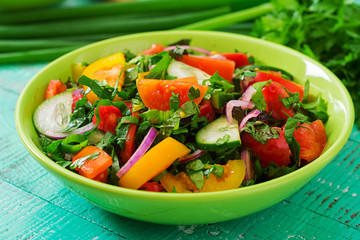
column 293, row 99
column 174, row 102
column 79, row 116
column 106, row 140
column 193, row 93
column 258, row 98
column 158, row 72
column 261, row 131
column 218, row 84
column 101, row 91
column 185, row 41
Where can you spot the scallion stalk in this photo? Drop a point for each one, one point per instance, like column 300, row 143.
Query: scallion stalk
column 230, row 18
column 108, row 9
column 106, row 25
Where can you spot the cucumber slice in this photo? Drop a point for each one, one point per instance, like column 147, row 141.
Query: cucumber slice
column 53, row 115
column 181, row 70
column 219, row 100
column 218, row 135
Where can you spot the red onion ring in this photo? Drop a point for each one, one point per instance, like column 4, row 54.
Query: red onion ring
column 249, row 171
column 76, row 91
column 192, row 156
column 236, row 103
column 140, row 151
column 250, row 91
column 252, row 114
column 61, row 135
column 207, row 52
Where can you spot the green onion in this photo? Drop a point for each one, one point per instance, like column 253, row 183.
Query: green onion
column 228, row 19
column 106, row 25
column 35, row 55
column 108, row 9
column 23, row 45
column 74, row 143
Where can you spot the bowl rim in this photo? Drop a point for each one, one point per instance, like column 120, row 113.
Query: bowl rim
column 78, row 179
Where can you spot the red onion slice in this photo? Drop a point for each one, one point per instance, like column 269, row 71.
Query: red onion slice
column 76, row 91
column 236, row 103
column 142, row 149
column 61, row 135
column 245, row 83
column 207, row 52
column 250, row 91
column 252, row 114
column 249, row 171
column 192, row 156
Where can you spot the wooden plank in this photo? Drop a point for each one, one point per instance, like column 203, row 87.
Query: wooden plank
column 25, row 216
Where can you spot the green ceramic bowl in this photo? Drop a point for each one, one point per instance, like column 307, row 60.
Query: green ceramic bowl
column 196, row 208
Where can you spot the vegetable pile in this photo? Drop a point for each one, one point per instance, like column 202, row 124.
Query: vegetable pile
column 180, row 118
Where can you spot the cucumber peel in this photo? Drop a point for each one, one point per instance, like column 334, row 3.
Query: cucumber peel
column 219, row 135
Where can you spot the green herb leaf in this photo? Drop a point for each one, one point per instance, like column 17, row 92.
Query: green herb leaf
column 261, row 132
column 258, row 98
column 174, row 102
column 193, row 93
column 158, row 72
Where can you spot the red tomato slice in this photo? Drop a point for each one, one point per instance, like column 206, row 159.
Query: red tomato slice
column 76, row 98
column 210, row 65
column 273, row 93
column 155, row 48
column 289, row 85
column 240, row 59
column 152, row 187
column 275, row 150
column 312, row 139
column 108, row 116
column 207, row 110
column 55, row 87
column 156, row 93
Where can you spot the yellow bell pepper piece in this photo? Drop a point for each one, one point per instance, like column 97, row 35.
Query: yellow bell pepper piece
column 233, row 176
column 156, row 160
column 77, row 71
column 108, row 69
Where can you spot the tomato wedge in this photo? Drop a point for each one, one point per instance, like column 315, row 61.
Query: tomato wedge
column 275, row 150
column 289, row 85
column 273, row 93
column 108, row 118
column 207, row 110
column 55, row 87
column 155, row 48
column 312, row 139
column 224, row 67
column 156, row 93
column 240, row 59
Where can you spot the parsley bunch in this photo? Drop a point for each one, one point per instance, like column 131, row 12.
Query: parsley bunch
column 327, row 30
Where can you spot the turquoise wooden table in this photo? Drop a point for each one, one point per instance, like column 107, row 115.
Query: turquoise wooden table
column 36, row 205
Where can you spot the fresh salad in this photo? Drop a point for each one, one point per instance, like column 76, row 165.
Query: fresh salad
column 180, row 119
